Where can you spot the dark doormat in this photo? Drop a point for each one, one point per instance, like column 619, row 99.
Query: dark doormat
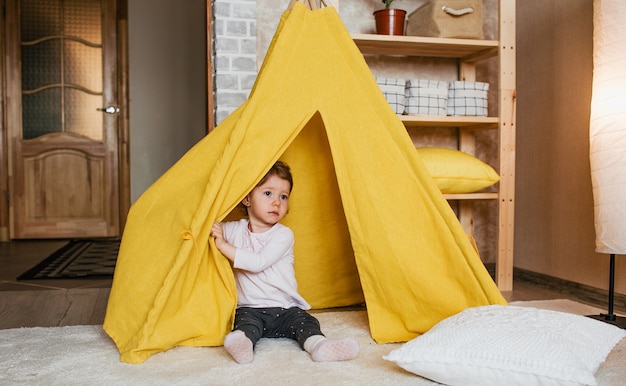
column 79, row 259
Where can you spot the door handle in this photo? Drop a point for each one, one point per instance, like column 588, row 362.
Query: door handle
column 109, row 109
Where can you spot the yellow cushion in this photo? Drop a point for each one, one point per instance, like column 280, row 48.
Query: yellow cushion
column 457, row 172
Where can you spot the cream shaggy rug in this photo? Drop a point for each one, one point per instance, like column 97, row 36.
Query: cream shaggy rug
column 84, row 355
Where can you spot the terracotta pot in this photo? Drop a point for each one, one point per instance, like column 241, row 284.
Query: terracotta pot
column 390, row 21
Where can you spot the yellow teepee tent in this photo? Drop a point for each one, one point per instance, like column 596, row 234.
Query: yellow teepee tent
column 370, row 225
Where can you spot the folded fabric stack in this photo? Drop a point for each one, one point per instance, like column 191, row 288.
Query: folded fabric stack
column 435, row 97
column 468, row 98
column 394, row 91
column 426, row 97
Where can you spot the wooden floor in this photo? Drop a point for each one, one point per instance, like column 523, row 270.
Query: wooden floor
column 48, row 303
column 45, row 303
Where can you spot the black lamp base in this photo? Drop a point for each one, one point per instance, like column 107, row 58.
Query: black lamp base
column 618, row 321
column 610, row 317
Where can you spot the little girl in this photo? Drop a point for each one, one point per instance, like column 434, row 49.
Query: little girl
column 261, row 250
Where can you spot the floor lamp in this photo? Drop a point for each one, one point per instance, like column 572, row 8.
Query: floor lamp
column 607, row 136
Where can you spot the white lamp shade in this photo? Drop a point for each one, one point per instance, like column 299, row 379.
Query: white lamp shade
column 607, row 131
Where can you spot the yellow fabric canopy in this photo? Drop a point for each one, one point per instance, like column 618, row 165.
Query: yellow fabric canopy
column 369, row 223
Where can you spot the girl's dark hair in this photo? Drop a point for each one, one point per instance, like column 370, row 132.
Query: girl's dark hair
column 280, row 170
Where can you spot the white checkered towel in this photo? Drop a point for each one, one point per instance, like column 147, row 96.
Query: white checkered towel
column 394, row 92
column 468, row 98
column 426, row 97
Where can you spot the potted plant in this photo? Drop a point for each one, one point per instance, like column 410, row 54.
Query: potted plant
column 389, row 21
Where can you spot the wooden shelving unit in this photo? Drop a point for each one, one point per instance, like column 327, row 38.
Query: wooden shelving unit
column 469, row 52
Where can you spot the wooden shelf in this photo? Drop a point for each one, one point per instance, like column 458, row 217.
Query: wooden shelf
column 465, row 122
column 472, row 196
column 467, row 53
column 468, row 50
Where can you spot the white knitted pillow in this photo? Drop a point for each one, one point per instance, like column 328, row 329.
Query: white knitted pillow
column 510, row 345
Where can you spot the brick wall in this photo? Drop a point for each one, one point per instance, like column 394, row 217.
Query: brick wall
column 235, row 54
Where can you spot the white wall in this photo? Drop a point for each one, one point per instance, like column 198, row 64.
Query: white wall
column 167, row 85
column 235, row 54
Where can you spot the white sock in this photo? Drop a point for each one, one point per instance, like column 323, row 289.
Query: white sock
column 239, row 346
column 331, row 350
column 311, row 341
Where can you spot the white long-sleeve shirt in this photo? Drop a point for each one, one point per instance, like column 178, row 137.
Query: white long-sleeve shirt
column 264, row 266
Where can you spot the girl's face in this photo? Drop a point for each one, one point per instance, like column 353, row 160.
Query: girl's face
column 268, row 203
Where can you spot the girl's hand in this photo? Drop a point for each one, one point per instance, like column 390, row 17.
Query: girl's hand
column 226, row 249
column 218, row 234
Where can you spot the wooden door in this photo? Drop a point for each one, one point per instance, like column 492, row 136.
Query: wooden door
column 62, row 118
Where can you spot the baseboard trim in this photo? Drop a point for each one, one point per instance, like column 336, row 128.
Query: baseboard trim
column 585, row 293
